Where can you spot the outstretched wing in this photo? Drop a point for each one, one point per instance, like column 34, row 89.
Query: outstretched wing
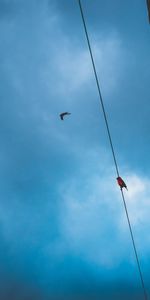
column 64, row 114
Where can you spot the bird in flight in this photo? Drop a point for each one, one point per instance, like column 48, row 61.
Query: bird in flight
column 64, row 114
column 121, row 183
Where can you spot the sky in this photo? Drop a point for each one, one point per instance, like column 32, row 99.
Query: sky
column 63, row 228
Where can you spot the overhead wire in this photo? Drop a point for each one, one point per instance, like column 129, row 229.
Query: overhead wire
column 112, row 149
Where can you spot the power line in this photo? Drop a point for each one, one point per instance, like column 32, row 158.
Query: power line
column 112, row 149
column 134, row 247
column 99, row 90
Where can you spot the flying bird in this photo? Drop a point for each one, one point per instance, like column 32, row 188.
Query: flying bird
column 121, row 183
column 64, row 114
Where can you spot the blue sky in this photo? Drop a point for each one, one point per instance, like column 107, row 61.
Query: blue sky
column 64, row 233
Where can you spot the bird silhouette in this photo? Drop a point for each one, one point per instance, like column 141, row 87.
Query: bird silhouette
column 121, row 183
column 64, row 114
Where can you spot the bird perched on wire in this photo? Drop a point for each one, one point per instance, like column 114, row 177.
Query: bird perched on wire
column 64, row 114
column 121, row 183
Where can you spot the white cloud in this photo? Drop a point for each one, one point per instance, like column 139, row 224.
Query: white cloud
column 93, row 221
column 136, row 185
column 74, row 67
column 138, row 200
column 109, row 53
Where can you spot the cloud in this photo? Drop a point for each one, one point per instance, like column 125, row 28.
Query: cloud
column 138, row 203
column 44, row 70
column 93, row 220
column 110, row 56
column 74, row 66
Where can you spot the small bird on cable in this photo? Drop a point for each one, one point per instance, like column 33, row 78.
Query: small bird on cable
column 121, row 183
column 64, row 114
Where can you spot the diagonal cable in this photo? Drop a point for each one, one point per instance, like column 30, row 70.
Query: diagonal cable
column 134, row 247
column 112, row 149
